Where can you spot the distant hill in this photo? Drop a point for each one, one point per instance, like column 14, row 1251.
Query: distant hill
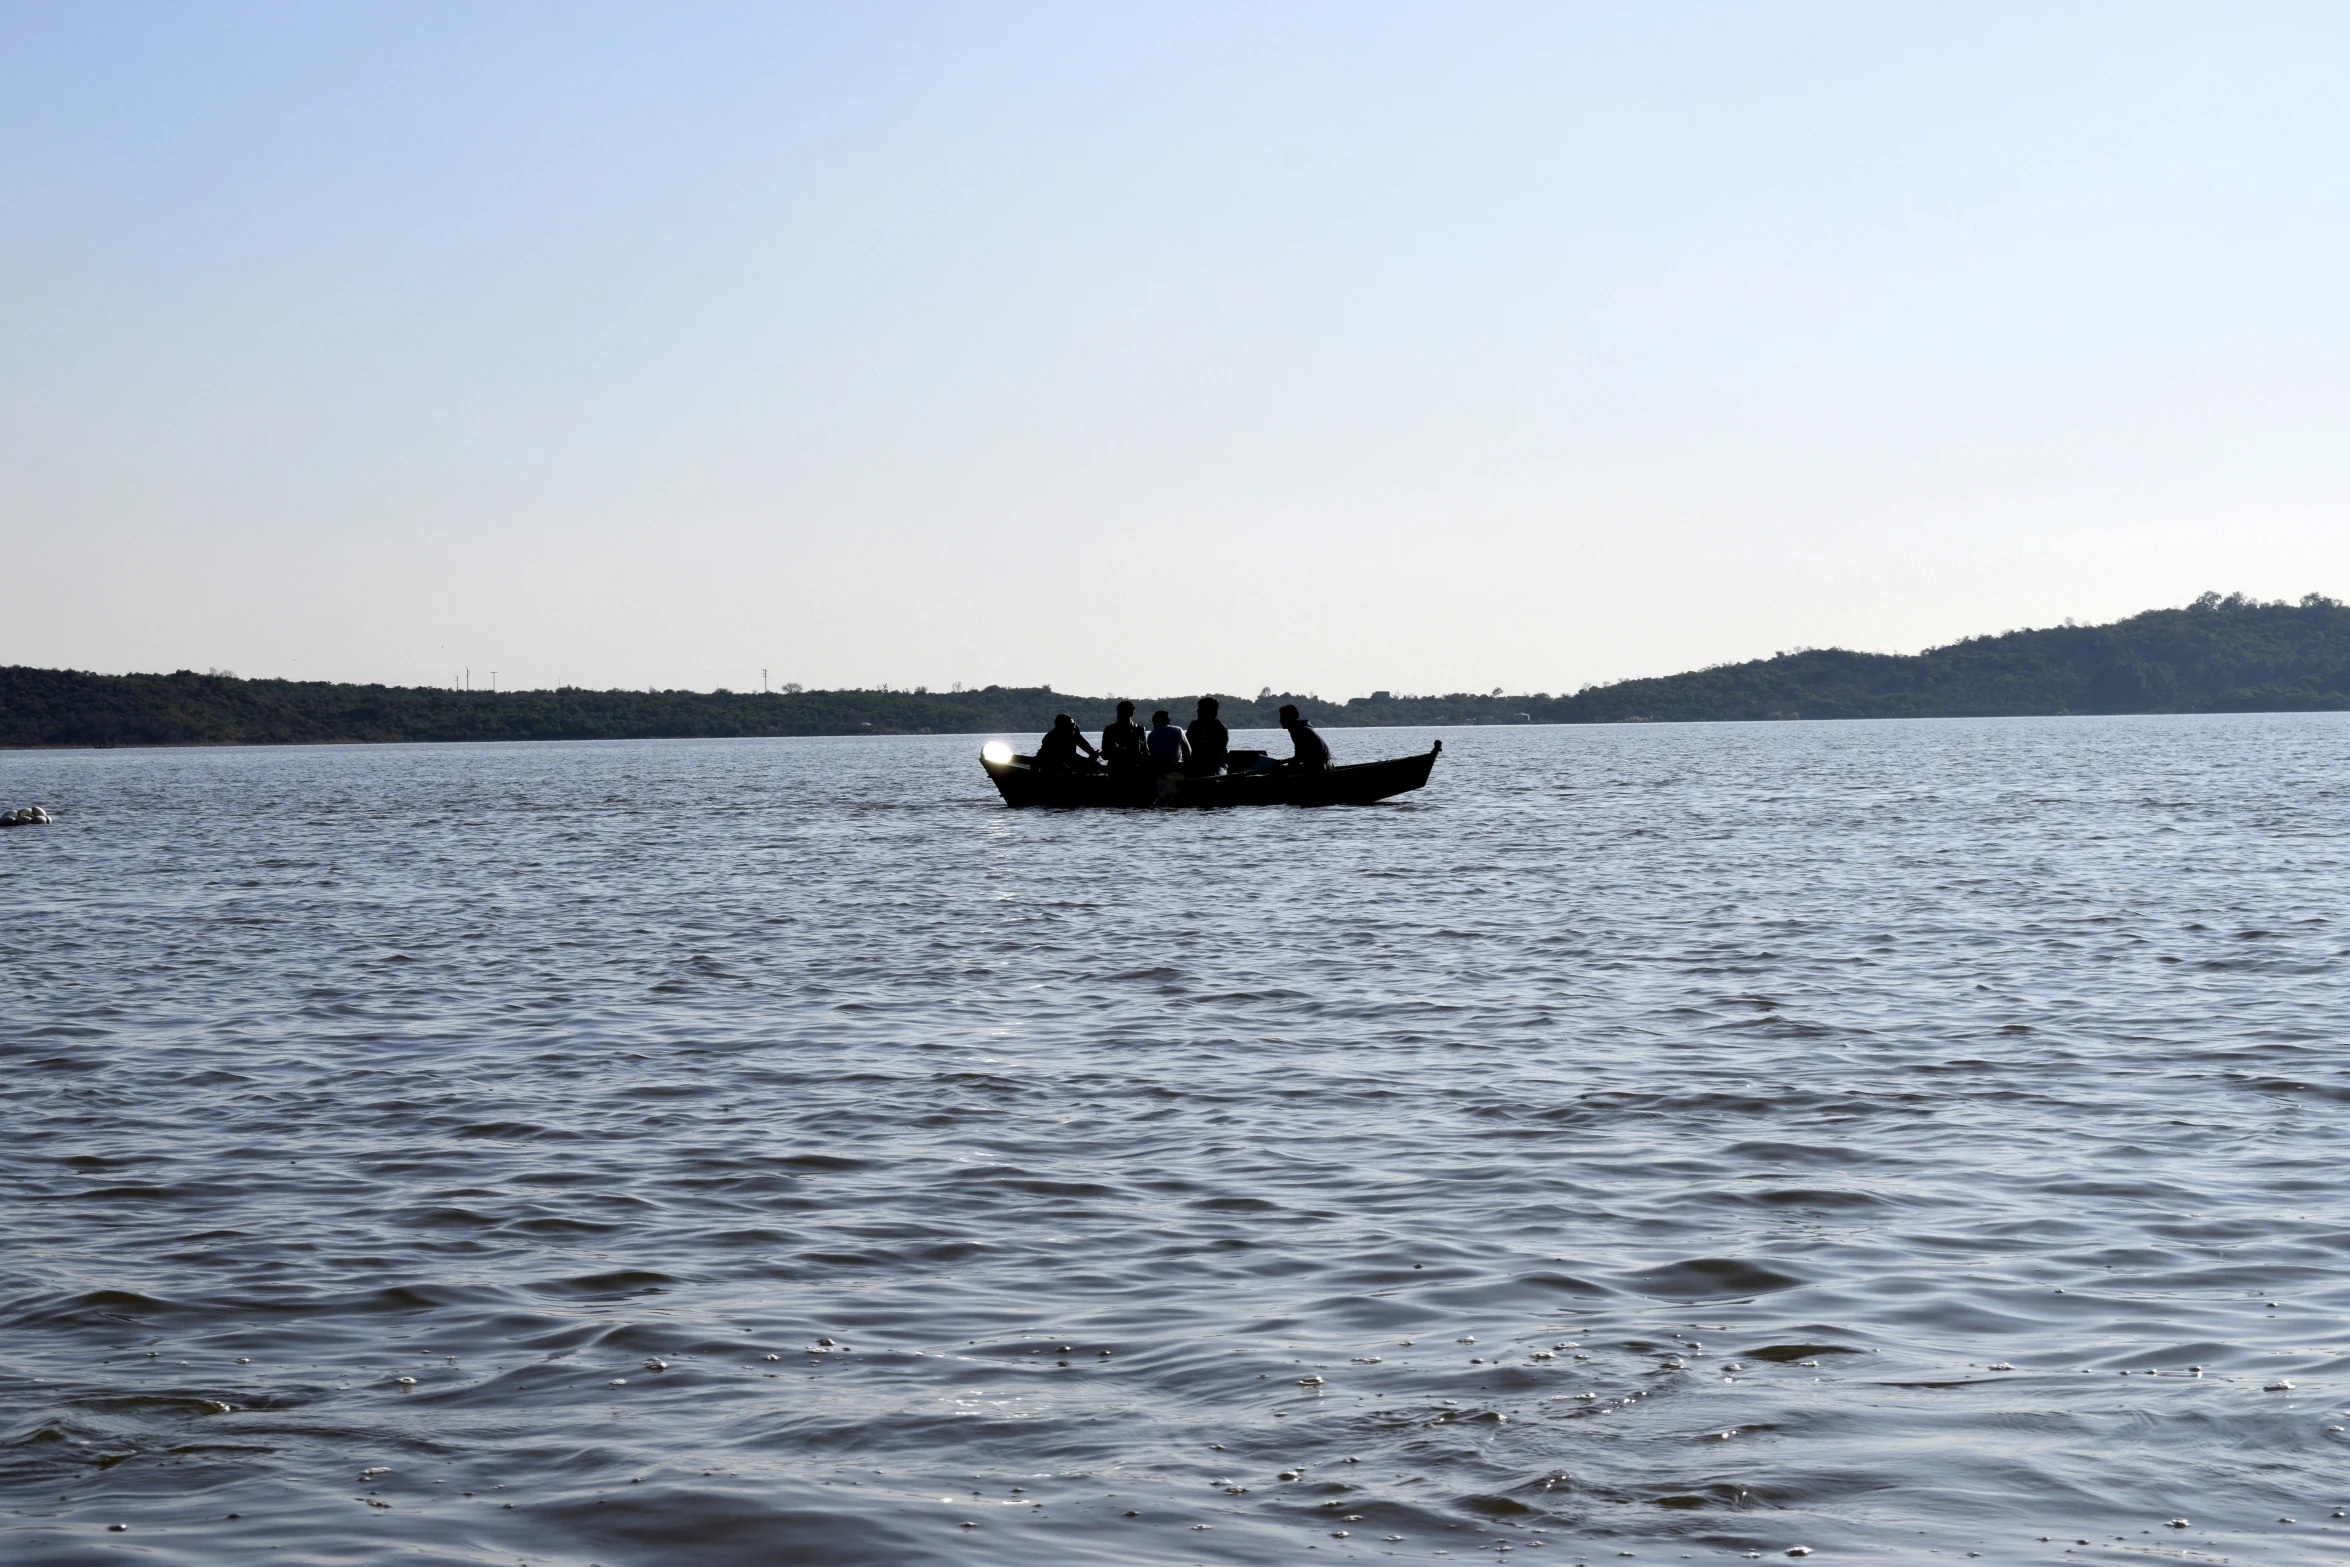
column 2217, row 655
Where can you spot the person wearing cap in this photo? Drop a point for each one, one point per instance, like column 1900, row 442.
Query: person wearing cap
column 1210, row 741
column 1057, row 751
column 1311, row 752
column 1168, row 749
column 1122, row 742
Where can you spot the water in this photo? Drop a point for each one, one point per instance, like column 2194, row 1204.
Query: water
column 1865, row 1058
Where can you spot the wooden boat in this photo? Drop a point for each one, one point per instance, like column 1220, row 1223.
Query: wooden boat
column 1360, row 784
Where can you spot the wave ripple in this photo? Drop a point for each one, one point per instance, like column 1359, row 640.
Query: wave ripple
column 1902, row 1140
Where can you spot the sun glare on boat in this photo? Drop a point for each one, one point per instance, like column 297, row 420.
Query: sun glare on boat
column 996, row 751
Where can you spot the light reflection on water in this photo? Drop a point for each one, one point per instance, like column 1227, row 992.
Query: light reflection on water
column 1863, row 1058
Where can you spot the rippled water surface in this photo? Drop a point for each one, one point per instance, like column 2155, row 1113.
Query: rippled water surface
column 1674, row 1142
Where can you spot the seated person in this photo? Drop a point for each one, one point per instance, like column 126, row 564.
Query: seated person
column 1057, row 751
column 1122, row 742
column 1211, row 743
column 1168, row 749
column 1311, row 752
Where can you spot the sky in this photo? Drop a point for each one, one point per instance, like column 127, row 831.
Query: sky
column 1152, row 349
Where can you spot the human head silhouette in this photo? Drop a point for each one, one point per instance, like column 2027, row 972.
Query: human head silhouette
column 1288, row 713
column 1125, row 709
column 1208, row 707
column 1159, row 719
column 1063, row 721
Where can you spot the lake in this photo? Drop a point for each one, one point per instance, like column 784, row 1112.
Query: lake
column 1896, row 1141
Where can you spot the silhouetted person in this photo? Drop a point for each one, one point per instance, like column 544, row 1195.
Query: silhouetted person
column 1211, row 743
column 1122, row 741
column 1057, row 751
column 1168, row 749
column 1311, row 752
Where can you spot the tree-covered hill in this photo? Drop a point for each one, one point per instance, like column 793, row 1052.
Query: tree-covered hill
column 2216, row 655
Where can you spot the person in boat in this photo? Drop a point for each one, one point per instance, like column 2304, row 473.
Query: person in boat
column 1311, row 753
column 1057, row 751
column 1211, row 743
column 1169, row 751
column 1122, row 742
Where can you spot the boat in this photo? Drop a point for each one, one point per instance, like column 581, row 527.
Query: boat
column 1249, row 781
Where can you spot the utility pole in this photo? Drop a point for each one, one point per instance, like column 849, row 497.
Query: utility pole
column 469, row 677
column 763, row 691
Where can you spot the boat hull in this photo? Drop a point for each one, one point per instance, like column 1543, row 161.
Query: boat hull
column 1361, row 784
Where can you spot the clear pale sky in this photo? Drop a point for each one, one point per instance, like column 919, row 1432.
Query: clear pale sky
column 1153, row 349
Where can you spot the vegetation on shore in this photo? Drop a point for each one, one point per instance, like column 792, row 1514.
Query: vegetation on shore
column 2216, row 655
